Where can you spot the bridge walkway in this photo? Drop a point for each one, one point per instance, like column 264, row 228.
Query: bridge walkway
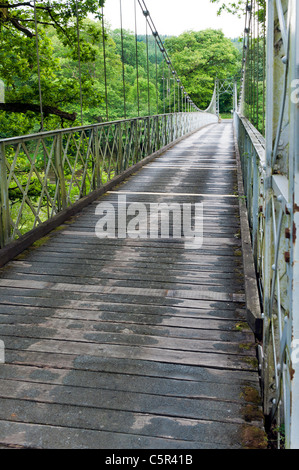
column 135, row 343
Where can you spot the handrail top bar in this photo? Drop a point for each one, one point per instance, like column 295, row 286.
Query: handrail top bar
column 257, row 139
column 38, row 135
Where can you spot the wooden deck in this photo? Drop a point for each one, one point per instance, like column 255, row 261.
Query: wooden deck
column 135, row 344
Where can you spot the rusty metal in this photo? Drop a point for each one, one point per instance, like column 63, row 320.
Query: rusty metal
column 271, row 177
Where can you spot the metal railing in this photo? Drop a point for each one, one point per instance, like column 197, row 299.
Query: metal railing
column 43, row 174
column 271, row 181
column 270, row 225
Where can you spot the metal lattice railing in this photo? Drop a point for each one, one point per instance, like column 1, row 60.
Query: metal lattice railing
column 271, row 249
column 43, row 174
column 271, row 180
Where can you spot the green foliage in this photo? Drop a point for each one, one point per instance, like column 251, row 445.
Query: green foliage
column 238, row 7
column 197, row 56
column 200, row 57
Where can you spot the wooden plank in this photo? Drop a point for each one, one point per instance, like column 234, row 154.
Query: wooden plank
column 242, row 347
column 101, row 404
column 96, row 302
column 133, row 368
column 216, row 360
column 164, row 293
column 223, row 388
column 144, row 263
column 225, row 320
column 126, row 279
column 61, row 437
column 47, row 265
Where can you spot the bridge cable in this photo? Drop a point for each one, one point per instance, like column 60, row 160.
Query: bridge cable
column 157, row 93
column 253, row 80
column 122, row 58
column 264, row 65
column 174, row 101
column 158, row 39
column 38, row 69
column 137, row 61
column 79, row 61
column 105, row 65
column 163, row 85
column 258, row 63
column 147, row 62
column 169, row 89
column 245, row 55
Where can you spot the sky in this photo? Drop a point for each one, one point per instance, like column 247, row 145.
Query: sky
column 173, row 17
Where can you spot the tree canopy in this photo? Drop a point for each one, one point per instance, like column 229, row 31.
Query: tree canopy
column 65, row 63
column 200, row 57
column 60, row 14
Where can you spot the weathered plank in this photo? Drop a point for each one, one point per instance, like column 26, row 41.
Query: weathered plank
column 61, row 437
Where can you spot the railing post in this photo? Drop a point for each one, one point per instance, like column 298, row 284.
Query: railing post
column 136, row 141
column 120, row 150
column 4, row 200
column 292, row 440
column 62, row 202
column 148, row 136
column 96, row 159
column 255, row 205
column 267, row 348
column 158, row 132
column 172, row 128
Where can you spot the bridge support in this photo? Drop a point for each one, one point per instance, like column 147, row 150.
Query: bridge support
column 271, row 180
column 4, row 200
column 293, row 333
column 281, row 296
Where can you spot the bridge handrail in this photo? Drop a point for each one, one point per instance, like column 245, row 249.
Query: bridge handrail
column 269, row 220
column 45, row 173
column 17, row 139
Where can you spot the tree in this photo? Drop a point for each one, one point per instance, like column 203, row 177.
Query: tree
column 236, row 7
column 200, row 57
column 18, row 53
column 20, row 16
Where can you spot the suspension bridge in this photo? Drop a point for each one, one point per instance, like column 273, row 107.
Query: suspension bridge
column 142, row 340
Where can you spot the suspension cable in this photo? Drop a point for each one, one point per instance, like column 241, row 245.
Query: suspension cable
column 245, row 54
column 163, row 82
column 122, row 58
column 169, row 90
column 79, row 61
column 257, row 71
column 264, row 64
column 157, row 93
column 174, row 102
column 147, row 61
column 137, row 62
column 105, row 66
column 253, row 80
column 38, row 69
column 155, row 33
